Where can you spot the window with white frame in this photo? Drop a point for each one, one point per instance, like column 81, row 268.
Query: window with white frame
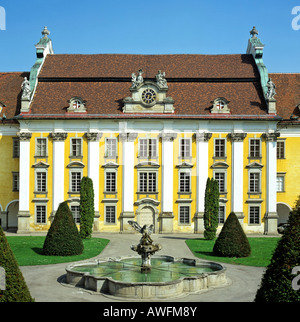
column 254, row 148
column 147, row 182
column 220, row 177
column 111, row 147
column 254, row 215
column 41, row 147
column 15, row 181
column 110, row 181
column 280, row 149
column 75, row 209
column 184, row 214
column 185, row 147
column 219, row 148
column 254, row 182
column 76, row 147
column 75, row 181
column 110, row 214
column 40, row 214
column 16, row 147
column 184, row 182
column 280, row 183
column 221, row 215
column 41, row 181
column 147, row 148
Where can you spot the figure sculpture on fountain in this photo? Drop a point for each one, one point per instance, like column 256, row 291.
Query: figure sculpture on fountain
column 145, row 248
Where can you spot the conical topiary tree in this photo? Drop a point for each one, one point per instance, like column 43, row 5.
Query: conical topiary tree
column 277, row 281
column 87, row 210
column 211, row 208
column 16, row 289
column 232, row 241
column 63, row 238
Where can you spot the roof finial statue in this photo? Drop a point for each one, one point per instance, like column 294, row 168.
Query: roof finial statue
column 45, row 32
column 161, row 80
column 271, row 89
column 26, row 89
column 254, row 32
column 136, row 81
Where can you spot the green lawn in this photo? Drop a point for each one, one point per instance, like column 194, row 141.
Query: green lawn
column 261, row 251
column 28, row 250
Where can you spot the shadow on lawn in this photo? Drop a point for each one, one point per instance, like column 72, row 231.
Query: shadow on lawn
column 38, row 250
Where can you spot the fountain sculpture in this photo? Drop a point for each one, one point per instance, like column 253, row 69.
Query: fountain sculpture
column 145, row 248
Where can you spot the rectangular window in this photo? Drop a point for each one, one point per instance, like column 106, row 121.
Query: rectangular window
column 40, row 213
column 184, row 182
column 220, row 148
column 280, row 149
column 185, row 148
column 254, row 214
column 148, row 148
column 75, row 147
column 184, row 214
column 16, row 148
column 41, row 182
column 41, row 147
column 110, row 182
column 76, row 213
column 254, row 148
column 280, row 183
column 110, row 214
column 111, row 147
column 254, row 182
column 220, row 177
column 221, row 216
column 147, row 182
column 15, row 181
column 75, row 182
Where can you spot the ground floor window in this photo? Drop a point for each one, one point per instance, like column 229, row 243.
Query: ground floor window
column 254, row 214
column 76, row 213
column 110, row 214
column 184, row 214
column 41, row 214
column 221, row 216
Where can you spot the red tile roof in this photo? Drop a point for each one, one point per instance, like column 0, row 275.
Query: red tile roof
column 10, row 92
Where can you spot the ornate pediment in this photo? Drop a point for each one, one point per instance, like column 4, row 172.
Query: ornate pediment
column 148, row 96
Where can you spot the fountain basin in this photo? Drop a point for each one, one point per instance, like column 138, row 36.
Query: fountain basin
column 169, row 277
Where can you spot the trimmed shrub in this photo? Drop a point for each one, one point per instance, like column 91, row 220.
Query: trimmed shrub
column 87, row 210
column 276, row 283
column 16, row 289
column 63, row 238
column 232, row 240
column 211, row 208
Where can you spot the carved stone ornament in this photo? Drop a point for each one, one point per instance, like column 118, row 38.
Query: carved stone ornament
column 24, row 136
column 128, row 137
column 168, row 137
column 137, row 80
column 93, row 136
column 271, row 89
column 161, row 79
column 271, row 137
column 203, row 137
column 59, row 136
column 220, row 105
column 237, row 137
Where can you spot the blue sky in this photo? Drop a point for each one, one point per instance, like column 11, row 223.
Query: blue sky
column 150, row 27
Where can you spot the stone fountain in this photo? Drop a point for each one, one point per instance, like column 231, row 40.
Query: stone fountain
column 146, row 248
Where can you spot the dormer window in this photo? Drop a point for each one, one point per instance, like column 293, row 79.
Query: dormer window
column 220, row 105
column 77, row 105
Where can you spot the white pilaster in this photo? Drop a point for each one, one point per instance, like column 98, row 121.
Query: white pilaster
column 271, row 216
column 128, row 171
column 58, row 169
column 237, row 183
column 202, row 139
column 24, row 173
column 93, row 164
column 24, row 182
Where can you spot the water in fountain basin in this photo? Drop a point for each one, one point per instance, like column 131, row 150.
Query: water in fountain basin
column 129, row 270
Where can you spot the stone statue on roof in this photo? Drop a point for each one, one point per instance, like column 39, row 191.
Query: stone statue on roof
column 137, row 80
column 161, row 79
column 26, row 89
column 271, row 89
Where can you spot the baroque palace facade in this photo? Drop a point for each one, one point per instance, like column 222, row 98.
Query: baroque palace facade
column 149, row 130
